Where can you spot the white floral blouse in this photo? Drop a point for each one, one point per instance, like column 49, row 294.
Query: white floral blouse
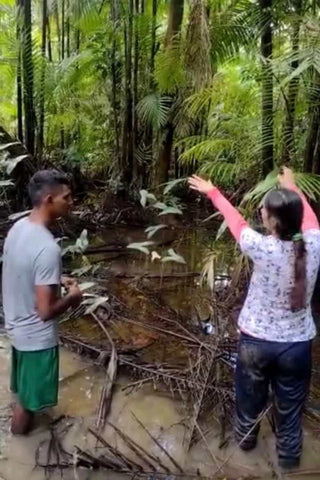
column 266, row 313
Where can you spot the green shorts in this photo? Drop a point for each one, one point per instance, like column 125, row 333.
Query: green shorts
column 35, row 378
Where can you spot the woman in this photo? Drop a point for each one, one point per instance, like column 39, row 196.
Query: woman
column 276, row 323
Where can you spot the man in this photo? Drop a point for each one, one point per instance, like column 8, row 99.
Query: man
column 31, row 279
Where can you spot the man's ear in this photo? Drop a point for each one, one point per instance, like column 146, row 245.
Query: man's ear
column 48, row 199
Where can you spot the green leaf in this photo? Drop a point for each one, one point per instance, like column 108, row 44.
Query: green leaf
column 173, row 257
column 171, row 210
column 154, row 110
column 153, row 229
column 141, row 246
column 82, row 242
column 170, row 185
column 78, row 272
column 8, row 145
column 159, row 205
column 6, row 183
column 94, row 304
column 145, row 196
column 11, row 163
column 309, row 183
column 222, row 229
column 255, row 195
column 214, row 215
column 86, row 286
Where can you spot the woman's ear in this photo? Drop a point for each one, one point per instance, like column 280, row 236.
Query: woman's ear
column 271, row 224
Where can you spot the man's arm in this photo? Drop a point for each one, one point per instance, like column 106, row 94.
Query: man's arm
column 48, row 303
column 47, row 278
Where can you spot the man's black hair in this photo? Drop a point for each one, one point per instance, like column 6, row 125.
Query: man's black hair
column 44, row 182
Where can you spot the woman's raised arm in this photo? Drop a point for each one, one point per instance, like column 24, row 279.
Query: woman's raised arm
column 286, row 180
column 233, row 218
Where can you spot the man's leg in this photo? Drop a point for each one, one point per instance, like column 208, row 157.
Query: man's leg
column 252, row 381
column 22, row 420
column 35, row 377
column 291, row 385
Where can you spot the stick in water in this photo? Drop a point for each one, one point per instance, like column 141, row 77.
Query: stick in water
column 175, row 463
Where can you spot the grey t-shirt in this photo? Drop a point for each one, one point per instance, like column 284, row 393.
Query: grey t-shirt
column 31, row 257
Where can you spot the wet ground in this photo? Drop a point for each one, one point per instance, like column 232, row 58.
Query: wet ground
column 80, row 385
column 81, row 382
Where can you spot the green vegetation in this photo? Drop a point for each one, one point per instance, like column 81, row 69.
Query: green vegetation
column 140, row 92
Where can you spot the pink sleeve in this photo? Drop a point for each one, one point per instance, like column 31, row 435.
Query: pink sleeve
column 309, row 220
column 234, row 220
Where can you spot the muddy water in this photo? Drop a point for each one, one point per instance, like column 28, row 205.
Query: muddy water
column 142, row 284
column 178, row 285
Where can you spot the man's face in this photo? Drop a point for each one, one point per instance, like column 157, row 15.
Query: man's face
column 59, row 202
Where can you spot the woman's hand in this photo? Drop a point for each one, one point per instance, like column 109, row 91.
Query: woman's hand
column 199, row 184
column 286, row 177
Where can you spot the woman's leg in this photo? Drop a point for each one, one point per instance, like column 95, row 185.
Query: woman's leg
column 252, row 384
column 291, row 385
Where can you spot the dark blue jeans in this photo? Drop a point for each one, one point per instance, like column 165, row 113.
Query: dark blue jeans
column 287, row 368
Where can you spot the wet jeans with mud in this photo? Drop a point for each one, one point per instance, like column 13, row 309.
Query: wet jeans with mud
column 286, row 367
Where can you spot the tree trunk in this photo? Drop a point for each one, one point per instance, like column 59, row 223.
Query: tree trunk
column 267, row 87
column 153, row 39
column 116, row 78
column 27, row 74
column 314, row 123
column 316, row 156
column 68, row 28
column 172, row 35
column 19, row 82
column 49, row 40
column 56, row 13
column 288, row 128
column 165, row 155
column 127, row 138
column 149, row 129
column 136, row 169
column 77, row 33
column 40, row 140
column 174, row 20
column 63, row 23
column 62, row 132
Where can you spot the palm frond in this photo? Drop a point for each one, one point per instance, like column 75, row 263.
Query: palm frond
column 154, row 110
column 169, row 71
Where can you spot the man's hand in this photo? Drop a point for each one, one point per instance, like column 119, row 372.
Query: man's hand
column 75, row 295
column 49, row 304
column 67, row 282
column 199, row 184
column 286, row 177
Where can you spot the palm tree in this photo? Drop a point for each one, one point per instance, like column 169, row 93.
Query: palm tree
column 24, row 12
column 267, row 86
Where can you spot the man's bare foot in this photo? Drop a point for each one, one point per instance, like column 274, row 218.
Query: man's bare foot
column 21, row 422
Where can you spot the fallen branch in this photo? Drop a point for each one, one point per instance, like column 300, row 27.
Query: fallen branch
column 215, row 460
column 130, row 464
column 106, row 394
column 158, row 275
column 261, row 416
column 175, row 463
column 137, row 449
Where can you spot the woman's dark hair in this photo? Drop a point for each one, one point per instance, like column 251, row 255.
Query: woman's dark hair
column 286, row 207
column 44, row 182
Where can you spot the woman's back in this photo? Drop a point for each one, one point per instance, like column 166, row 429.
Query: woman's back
column 267, row 312
column 276, row 321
